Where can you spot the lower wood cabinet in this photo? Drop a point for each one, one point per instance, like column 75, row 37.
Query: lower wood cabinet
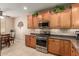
column 27, row 40
column 74, row 51
column 62, row 47
column 33, row 41
column 67, row 48
column 53, row 46
column 30, row 41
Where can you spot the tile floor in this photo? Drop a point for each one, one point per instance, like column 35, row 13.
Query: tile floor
column 19, row 49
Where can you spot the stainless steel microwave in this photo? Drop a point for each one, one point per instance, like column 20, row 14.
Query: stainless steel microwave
column 44, row 24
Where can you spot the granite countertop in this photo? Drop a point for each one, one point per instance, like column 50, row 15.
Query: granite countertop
column 62, row 36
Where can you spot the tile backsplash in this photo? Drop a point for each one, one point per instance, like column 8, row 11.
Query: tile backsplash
column 55, row 31
column 64, row 31
column 32, row 31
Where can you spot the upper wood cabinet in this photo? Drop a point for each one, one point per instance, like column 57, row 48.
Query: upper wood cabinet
column 39, row 17
column 54, row 20
column 35, row 22
column 29, row 21
column 69, row 18
column 75, row 15
column 45, row 15
column 65, row 19
column 61, row 20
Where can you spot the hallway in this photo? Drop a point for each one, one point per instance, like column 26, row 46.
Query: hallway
column 19, row 49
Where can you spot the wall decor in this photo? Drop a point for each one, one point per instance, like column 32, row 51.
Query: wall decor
column 20, row 24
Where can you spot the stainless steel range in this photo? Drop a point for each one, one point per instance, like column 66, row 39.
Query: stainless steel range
column 41, row 44
column 42, row 40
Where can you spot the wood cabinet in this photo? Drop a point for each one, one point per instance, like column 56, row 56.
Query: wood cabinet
column 54, row 20
column 61, row 47
column 69, row 18
column 65, row 19
column 29, row 21
column 46, row 15
column 33, row 41
column 39, row 17
column 30, row 41
column 67, row 48
column 75, row 15
column 74, row 51
column 27, row 40
column 61, row 20
column 53, row 46
column 35, row 22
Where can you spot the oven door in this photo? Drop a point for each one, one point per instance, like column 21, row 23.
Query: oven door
column 41, row 41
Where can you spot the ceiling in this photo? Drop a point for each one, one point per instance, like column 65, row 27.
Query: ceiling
column 16, row 9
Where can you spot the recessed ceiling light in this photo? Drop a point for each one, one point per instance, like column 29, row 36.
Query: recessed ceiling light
column 25, row 8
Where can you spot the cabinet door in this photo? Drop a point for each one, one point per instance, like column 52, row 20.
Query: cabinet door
column 29, row 21
column 77, row 53
column 73, row 51
column 57, row 46
column 35, row 22
column 53, row 46
column 39, row 17
column 65, row 19
column 50, row 45
column 67, row 48
column 54, row 20
column 46, row 15
column 62, row 48
column 75, row 15
column 27, row 40
column 33, row 41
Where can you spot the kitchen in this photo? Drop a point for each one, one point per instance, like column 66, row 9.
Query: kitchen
column 53, row 30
